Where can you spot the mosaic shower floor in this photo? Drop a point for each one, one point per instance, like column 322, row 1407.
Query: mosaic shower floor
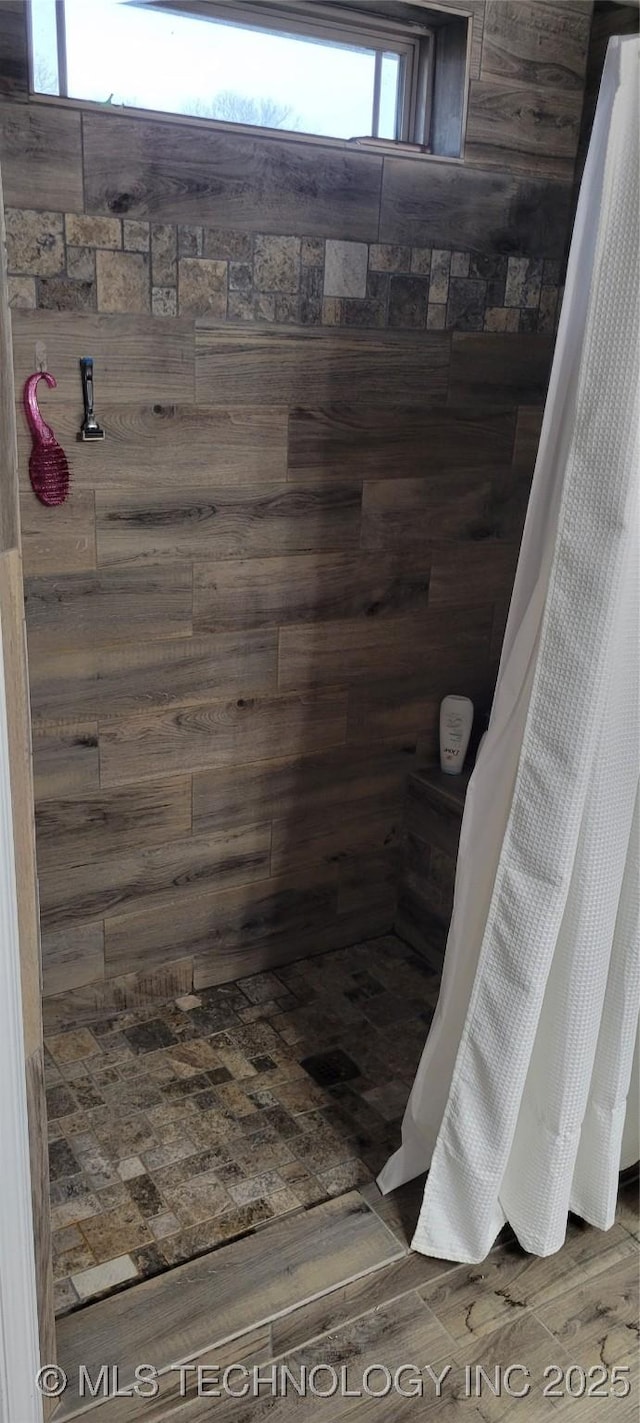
column 177, row 1128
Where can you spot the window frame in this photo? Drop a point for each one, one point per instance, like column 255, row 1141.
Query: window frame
column 414, row 42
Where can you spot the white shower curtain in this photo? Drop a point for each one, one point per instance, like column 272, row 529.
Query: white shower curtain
column 521, row 1098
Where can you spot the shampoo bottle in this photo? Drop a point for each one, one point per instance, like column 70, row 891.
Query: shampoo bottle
column 456, row 720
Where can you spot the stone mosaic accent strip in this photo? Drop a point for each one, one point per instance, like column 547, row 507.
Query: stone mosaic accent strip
column 76, row 262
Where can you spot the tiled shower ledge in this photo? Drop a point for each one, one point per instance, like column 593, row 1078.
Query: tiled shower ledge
column 178, row 1128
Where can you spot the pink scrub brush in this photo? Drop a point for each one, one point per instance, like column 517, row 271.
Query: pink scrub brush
column 48, row 467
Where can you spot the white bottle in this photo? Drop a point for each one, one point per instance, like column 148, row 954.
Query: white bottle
column 456, row 720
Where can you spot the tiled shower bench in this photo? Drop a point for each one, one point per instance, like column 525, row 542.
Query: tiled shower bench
column 432, row 820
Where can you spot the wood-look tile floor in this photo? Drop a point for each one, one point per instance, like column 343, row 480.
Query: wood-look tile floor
column 175, row 1129
column 269, row 1312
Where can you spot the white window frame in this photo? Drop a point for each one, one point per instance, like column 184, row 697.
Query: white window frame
column 413, row 42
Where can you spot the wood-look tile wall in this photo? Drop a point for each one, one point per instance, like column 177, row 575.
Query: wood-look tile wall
column 296, row 537
column 237, row 654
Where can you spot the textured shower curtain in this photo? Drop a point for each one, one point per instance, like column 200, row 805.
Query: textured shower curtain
column 522, row 1103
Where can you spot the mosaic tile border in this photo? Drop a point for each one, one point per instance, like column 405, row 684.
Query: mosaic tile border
column 73, row 262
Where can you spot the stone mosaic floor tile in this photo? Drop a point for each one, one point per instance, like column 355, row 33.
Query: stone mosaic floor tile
column 69, row 1047
column 190, row 1123
column 72, row 1201
column 101, row 1279
column 60, row 1102
column 62, row 1160
column 70, row 1252
column 198, row 1200
column 115, row 1232
column 329, row 1067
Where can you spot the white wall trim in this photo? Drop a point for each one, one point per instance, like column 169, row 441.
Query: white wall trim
column 20, row 1401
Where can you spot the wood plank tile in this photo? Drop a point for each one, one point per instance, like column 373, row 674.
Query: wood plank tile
column 389, row 1336
column 512, row 487
column 153, row 877
column 410, row 513
column 508, row 510
column 525, row 450
column 324, row 654
column 264, row 1276
column 71, row 957
column 524, row 1341
column 428, row 874
column 320, row 783
column 80, row 829
column 513, row 1281
column 523, row 127
column 222, row 925
column 427, row 816
column 488, row 210
column 396, row 1329
column 418, row 925
column 368, row 883
column 182, row 672
column 500, row 369
column 225, row 446
column 478, row 571
column 65, row 758
column 338, row 932
column 400, row 1209
column 61, row 540
column 404, row 706
column 443, row 790
column 596, row 1320
column 326, row 1315
column 268, row 592
column 181, row 173
column 591, row 1406
column 248, row 1350
column 540, row 43
column 137, row 358
column 106, row 608
column 41, row 156
column 220, row 733
column 281, row 367
column 231, row 522
column 383, row 443
column 334, row 838
column 128, row 993
column 628, row 1207
column 455, row 652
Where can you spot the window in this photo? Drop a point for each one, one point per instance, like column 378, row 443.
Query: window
column 322, row 68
